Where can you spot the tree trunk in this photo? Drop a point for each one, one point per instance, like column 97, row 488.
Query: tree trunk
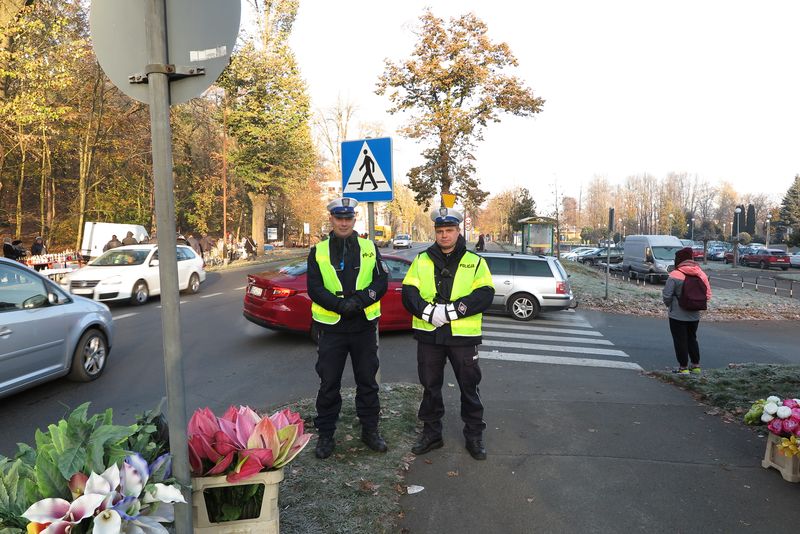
column 86, row 153
column 21, row 183
column 259, row 204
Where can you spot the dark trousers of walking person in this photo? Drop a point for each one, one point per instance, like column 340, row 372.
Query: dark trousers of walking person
column 431, row 360
column 684, row 338
column 333, row 350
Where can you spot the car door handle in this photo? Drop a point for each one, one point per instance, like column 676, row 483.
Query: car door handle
column 398, row 289
column 5, row 332
column 507, row 282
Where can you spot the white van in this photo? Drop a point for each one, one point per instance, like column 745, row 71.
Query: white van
column 97, row 234
column 650, row 256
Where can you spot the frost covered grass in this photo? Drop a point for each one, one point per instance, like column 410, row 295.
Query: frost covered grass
column 355, row 490
column 627, row 297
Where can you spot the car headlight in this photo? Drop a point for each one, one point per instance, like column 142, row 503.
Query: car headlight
column 113, row 281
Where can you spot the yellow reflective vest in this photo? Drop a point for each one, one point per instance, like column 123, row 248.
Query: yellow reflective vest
column 332, row 283
column 472, row 273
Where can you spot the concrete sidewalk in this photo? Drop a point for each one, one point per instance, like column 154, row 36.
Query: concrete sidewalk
column 579, row 449
column 584, row 449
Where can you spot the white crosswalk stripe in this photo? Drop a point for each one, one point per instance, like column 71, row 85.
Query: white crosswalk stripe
column 555, row 339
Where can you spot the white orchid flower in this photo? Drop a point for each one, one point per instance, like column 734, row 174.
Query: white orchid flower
column 784, row 412
column 107, row 522
column 773, row 399
column 766, row 418
column 771, row 408
column 162, row 493
column 63, row 513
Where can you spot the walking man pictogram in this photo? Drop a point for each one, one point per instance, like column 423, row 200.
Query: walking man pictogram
column 370, row 166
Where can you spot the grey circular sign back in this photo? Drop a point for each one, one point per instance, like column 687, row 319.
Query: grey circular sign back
column 200, row 33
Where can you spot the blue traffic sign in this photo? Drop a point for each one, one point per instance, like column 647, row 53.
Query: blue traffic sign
column 367, row 169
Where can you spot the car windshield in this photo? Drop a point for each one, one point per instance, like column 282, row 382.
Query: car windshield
column 114, row 258
column 294, row 269
column 665, row 253
column 403, row 236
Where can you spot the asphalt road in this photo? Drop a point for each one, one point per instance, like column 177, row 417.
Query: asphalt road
column 228, row 360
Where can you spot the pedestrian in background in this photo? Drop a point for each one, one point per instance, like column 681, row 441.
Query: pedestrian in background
column 480, row 245
column 129, row 239
column 446, row 289
column 38, row 248
column 112, row 243
column 13, row 249
column 346, row 280
column 684, row 320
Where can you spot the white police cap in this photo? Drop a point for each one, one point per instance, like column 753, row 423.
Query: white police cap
column 343, row 207
column 446, row 217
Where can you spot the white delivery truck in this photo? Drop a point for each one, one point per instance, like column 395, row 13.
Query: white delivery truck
column 650, row 257
column 97, row 234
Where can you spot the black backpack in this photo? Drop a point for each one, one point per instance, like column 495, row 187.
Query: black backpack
column 693, row 294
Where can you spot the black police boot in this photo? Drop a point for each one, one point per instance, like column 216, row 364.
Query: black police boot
column 373, row 440
column 325, row 446
column 476, row 448
column 427, row 443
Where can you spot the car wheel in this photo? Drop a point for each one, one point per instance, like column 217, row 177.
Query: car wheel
column 633, row 275
column 784, row 268
column 763, row 265
column 89, row 358
column 140, row 293
column 194, row 284
column 523, row 307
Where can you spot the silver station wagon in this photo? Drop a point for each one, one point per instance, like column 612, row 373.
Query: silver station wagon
column 524, row 284
column 46, row 333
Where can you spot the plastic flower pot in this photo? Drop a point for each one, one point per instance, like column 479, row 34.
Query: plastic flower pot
column 789, row 467
column 206, row 519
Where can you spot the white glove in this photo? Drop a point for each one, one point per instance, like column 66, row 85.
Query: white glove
column 440, row 316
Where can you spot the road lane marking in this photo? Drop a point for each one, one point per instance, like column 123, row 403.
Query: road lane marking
column 544, row 322
column 240, row 288
column 210, row 295
column 558, row 360
column 179, row 302
column 499, row 327
column 124, row 315
column 539, row 337
column 557, row 348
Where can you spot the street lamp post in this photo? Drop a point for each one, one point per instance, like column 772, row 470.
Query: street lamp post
column 671, row 217
column 692, row 228
column 769, row 219
column 736, row 238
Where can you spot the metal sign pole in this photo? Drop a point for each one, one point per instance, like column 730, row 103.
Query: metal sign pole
column 371, row 226
column 167, row 254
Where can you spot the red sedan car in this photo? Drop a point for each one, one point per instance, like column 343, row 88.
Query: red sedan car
column 279, row 299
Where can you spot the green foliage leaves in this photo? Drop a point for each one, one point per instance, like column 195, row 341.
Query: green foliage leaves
column 13, row 477
column 456, row 85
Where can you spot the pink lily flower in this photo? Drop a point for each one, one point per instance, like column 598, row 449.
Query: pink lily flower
column 238, row 424
column 62, row 514
column 77, row 485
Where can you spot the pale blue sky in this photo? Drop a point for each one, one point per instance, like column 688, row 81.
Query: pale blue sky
column 706, row 87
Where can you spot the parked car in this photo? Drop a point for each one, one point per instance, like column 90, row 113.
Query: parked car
column 279, row 300
column 401, row 241
column 765, row 258
column 45, row 333
column 600, row 255
column 573, row 254
column 131, row 273
column 524, row 284
column 697, row 253
column 794, row 259
column 650, row 255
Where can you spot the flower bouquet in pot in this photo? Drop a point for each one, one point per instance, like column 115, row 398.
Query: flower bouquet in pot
column 239, row 445
column 782, row 418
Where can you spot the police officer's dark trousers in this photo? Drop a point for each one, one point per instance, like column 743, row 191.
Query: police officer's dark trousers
column 430, row 366
column 333, row 349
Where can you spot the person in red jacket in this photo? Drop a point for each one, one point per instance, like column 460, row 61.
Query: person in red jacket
column 683, row 323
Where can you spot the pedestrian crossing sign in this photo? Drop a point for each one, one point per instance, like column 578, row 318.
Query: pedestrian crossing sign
column 367, row 169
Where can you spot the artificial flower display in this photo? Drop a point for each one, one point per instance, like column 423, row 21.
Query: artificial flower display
column 782, row 418
column 241, row 443
column 131, row 497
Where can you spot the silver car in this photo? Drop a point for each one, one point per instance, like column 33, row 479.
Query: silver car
column 45, row 333
column 524, row 284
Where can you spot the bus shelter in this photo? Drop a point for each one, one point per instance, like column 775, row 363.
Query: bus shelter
column 538, row 235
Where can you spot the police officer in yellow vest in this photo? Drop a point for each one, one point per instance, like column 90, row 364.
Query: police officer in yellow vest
column 346, row 280
column 446, row 289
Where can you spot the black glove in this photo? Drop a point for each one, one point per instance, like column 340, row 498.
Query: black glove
column 351, row 307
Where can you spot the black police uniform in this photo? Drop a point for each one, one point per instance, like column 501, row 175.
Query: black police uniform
column 353, row 334
column 436, row 347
